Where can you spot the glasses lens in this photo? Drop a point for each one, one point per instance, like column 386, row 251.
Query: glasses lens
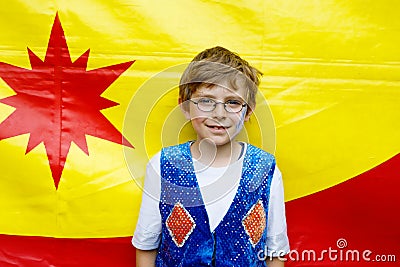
column 233, row 106
column 206, row 104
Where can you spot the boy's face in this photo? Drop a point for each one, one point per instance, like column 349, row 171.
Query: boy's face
column 219, row 125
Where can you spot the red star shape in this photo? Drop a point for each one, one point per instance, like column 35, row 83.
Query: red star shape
column 58, row 101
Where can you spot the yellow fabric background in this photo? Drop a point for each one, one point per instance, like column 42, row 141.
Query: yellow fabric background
column 332, row 76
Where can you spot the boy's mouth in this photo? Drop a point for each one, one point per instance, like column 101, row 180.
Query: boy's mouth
column 216, row 127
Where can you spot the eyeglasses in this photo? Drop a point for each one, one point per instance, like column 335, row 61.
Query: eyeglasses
column 208, row 104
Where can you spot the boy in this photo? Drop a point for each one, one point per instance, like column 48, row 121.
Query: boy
column 213, row 201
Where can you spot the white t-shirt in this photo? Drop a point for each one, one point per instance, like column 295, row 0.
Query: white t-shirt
column 218, row 186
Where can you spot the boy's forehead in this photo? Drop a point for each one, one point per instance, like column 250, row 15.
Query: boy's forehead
column 220, row 89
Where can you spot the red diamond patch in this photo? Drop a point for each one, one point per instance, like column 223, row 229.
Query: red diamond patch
column 180, row 224
column 255, row 222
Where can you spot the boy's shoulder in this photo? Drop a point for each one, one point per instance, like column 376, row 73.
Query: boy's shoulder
column 155, row 159
column 256, row 151
column 183, row 148
column 172, row 154
column 181, row 145
column 177, row 155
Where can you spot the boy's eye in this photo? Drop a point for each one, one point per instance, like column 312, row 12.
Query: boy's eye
column 234, row 103
column 206, row 101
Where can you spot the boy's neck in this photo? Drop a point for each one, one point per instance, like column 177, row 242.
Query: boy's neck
column 212, row 155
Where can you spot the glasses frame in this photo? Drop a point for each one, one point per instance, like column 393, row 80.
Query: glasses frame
column 215, row 105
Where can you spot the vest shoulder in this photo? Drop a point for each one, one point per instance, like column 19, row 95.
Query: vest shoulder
column 176, row 147
column 260, row 152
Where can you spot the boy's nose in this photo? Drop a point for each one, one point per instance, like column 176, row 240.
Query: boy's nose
column 219, row 109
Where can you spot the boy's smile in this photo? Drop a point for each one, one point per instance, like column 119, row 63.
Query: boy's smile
column 216, row 126
column 217, row 129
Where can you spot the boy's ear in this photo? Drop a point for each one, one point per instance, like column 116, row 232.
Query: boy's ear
column 184, row 108
column 248, row 113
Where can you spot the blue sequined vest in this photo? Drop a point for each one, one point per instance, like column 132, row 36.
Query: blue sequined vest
column 186, row 237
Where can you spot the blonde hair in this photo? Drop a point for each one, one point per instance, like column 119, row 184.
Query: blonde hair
column 218, row 65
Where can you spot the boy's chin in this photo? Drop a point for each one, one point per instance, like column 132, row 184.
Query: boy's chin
column 218, row 142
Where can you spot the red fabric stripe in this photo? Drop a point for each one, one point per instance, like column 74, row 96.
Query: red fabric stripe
column 32, row 251
column 362, row 210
